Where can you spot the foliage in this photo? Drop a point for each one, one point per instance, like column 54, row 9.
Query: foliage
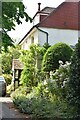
column 21, row 90
column 10, row 89
column 54, row 54
column 61, row 78
column 19, row 98
column 12, row 13
column 41, row 107
column 74, row 82
column 8, row 78
column 30, row 58
column 13, row 53
column 6, row 63
column 46, row 45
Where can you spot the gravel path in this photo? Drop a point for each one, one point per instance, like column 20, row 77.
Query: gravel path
column 9, row 112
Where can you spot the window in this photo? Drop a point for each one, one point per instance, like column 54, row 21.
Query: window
column 32, row 40
column 26, row 41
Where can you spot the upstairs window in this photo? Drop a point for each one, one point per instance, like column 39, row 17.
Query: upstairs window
column 32, row 40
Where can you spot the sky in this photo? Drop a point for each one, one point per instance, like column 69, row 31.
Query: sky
column 31, row 8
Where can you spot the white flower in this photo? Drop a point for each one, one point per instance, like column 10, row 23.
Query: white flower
column 68, row 63
column 45, row 82
column 64, row 83
column 60, row 62
column 51, row 73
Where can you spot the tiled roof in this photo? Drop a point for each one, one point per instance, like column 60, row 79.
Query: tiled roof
column 65, row 16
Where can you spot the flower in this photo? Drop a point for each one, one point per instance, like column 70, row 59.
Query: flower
column 60, row 62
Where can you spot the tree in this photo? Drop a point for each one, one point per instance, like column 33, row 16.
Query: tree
column 59, row 51
column 74, row 82
column 12, row 13
column 7, row 57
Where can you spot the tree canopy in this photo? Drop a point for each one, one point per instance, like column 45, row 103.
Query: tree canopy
column 12, row 13
column 7, row 57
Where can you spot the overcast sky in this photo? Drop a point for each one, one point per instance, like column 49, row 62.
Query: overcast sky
column 31, row 9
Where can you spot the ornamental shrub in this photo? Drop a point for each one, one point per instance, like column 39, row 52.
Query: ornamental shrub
column 61, row 78
column 59, row 51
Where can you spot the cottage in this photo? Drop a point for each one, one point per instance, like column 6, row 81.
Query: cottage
column 53, row 25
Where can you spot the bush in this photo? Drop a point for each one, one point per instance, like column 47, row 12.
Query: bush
column 61, row 78
column 42, row 108
column 43, row 103
column 22, row 90
column 8, row 78
column 59, row 51
column 74, row 82
column 31, row 58
column 10, row 89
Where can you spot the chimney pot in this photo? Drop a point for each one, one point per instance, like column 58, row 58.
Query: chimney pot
column 39, row 6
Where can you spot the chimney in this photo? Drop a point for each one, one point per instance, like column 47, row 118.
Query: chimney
column 39, row 6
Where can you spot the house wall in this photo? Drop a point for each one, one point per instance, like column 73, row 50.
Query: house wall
column 54, row 36
column 59, row 35
column 42, row 38
column 28, row 40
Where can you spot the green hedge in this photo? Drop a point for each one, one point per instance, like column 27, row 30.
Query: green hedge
column 59, row 51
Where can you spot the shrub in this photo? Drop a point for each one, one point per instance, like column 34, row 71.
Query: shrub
column 43, row 108
column 74, row 82
column 59, row 51
column 61, row 78
column 32, row 65
column 10, row 89
column 43, row 103
column 8, row 78
column 22, row 90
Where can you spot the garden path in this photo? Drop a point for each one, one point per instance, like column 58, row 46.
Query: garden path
column 9, row 112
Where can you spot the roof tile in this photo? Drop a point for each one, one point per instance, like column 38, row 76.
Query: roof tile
column 66, row 16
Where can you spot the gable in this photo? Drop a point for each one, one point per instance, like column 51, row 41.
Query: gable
column 65, row 16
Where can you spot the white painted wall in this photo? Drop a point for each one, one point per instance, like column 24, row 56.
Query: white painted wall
column 42, row 38
column 55, row 35
column 59, row 35
column 28, row 40
column 79, row 34
column 26, row 43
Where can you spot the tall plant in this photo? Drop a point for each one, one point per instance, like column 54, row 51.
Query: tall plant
column 74, row 82
column 29, row 76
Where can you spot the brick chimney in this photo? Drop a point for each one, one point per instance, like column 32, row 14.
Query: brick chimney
column 39, row 6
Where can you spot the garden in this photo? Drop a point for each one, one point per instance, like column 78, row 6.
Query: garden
column 50, row 82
